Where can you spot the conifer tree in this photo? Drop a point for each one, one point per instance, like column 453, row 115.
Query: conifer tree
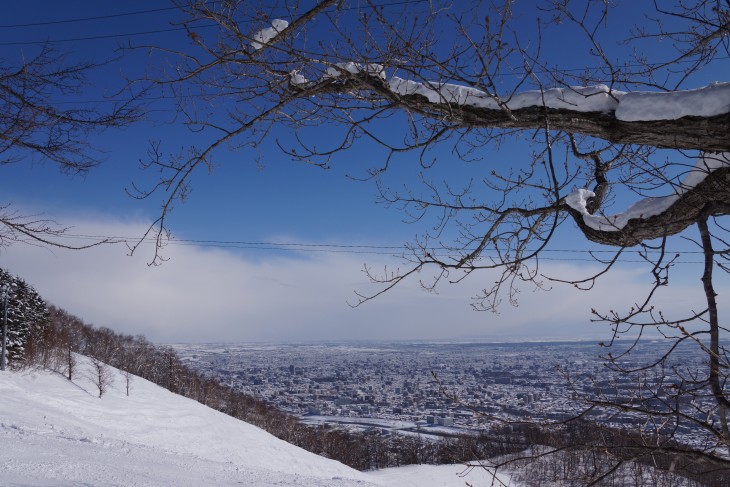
column 27, row 312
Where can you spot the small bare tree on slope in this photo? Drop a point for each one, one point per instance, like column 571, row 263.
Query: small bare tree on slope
column 101, row 375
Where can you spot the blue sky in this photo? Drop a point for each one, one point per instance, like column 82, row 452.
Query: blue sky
column 214, row 293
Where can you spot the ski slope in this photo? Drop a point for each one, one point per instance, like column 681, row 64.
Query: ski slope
column 55, row 432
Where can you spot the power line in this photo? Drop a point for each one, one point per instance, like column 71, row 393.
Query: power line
column 392, row 250
column 141, row 33
column 87, row 19
column 346, row 246
column 99, row 37
column 163, row 9
column 209, row 26
column 203, row 26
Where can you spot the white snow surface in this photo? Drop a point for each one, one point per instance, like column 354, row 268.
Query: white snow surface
column 580, row 98
column 264, row 36
column 439, row 476
column 354, row 68
column 634, row 106
column 55, row 432
column 297, row 78
column 646, row 207
column 709, row 101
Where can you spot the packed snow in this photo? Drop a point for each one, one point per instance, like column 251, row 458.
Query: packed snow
column 646, row 207
column 60, row 433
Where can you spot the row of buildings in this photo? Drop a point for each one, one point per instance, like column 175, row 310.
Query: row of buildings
column 439, row 388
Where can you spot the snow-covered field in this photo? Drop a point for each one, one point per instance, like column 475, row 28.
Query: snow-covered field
column 59, row 433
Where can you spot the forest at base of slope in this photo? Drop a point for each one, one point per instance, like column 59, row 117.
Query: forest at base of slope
column 584, row 450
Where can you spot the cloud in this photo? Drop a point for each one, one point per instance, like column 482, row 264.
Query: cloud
column 212, row 295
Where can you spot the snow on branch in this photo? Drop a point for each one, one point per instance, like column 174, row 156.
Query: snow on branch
column 636, row 106
column 647, row 207
column 264, row 36
column 580, row 98
column 355, row 68
column 709, row 101
column 596, row 111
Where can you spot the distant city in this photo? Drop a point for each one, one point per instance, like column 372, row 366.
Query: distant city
column 429, row 388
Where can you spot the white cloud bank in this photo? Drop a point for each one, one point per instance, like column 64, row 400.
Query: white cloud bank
column 204, row 295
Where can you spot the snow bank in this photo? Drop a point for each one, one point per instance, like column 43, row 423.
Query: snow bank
column 264, row 36
column 646, row 207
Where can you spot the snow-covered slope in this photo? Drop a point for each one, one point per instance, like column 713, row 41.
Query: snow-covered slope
column 57, row 433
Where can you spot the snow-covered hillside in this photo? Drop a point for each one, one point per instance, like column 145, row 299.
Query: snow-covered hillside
column 59, row 433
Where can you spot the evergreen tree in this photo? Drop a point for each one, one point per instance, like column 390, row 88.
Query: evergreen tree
column 27, row 313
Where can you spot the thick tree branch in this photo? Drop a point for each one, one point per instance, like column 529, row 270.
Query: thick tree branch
column 712, row 194
column 689, row 132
